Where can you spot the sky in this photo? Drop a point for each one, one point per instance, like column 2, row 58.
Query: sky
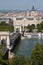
column 20, row 4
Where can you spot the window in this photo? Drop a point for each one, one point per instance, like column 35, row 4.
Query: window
column 29, row 18
column 19, row 18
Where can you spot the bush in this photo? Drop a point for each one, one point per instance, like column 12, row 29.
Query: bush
column 18, row 60
column 37, row 55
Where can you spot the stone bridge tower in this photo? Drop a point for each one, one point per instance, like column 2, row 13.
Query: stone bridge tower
column 5, row 36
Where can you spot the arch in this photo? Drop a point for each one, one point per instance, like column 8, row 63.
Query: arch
column 4, row 39
column 3, row 42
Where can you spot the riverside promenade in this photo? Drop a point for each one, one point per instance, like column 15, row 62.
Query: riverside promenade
column 33, row 35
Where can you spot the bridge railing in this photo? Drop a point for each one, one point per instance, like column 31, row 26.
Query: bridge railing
column 13, row 38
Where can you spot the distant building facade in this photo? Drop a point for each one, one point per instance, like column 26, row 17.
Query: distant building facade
column 29, row 18
column 7, row 21
column 21, row 19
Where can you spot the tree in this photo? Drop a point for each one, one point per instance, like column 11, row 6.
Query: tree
column 37, row 55
column 6, row 27
column 28, row 62
column 39, row 27
column 41, row 24
column 2, row 60
column 31, row 27
column 17, row 60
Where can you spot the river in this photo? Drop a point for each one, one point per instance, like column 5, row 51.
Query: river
column 26, row 46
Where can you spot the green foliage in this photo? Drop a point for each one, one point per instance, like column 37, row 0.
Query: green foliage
column 1, row 51
column 41, row 24
column 39, row 27
column 18, row 60
column 1, row 46
column 37, row 55
column 4, row 62
column 28, row 62
column 6, row 27
column 36, row 58
column 31, row 27
column 3, row 23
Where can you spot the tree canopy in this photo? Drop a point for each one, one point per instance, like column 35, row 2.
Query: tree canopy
column 6, row 27
column 35, row 59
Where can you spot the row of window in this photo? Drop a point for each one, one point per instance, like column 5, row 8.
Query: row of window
column 26, row 18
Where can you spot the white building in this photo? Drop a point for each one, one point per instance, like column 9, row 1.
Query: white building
column 5, row 35
column 30, row 17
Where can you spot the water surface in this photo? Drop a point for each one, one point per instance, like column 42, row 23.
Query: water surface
column 26, row 46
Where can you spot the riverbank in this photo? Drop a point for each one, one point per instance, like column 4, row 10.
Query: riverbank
column 33, row 35
column 26, row 45
column 23, row 37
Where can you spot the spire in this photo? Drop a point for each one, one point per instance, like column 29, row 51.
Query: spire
column 33, row 8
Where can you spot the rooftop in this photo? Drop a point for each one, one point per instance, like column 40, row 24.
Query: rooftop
column 33, row 8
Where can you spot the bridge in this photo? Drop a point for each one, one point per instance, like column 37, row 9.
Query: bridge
column 13, row 39
column 10, row 40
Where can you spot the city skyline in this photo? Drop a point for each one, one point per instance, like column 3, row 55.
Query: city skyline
column 20, row 4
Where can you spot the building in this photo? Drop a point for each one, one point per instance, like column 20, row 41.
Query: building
column 7, row 20
column 22, row 19
column 31, row 17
